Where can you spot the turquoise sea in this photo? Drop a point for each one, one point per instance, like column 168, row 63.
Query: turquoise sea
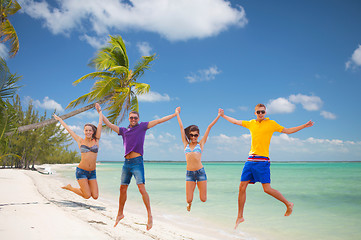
column 327, row 198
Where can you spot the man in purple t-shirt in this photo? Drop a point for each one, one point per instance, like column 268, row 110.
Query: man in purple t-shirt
column 133, row 140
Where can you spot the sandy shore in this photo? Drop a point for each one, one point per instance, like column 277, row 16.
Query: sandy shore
column 33, row 206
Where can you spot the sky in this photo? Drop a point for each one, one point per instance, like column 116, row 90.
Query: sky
column 300, row 58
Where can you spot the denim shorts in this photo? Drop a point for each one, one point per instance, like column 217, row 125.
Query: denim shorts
column 83, row 174
column 256, row 172
column 133, row 166
column 196, row 176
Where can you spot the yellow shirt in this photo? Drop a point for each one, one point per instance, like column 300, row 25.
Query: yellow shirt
column 261, row 133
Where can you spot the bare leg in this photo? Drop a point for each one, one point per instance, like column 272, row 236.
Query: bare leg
column 202, row 187
column 93, row 184
column 190, row 186
column 122, row 199
column 83, row 191
column 241, row 202
column 146, row 201
column 276, row 194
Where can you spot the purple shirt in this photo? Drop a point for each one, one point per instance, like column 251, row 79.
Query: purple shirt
column 133, row 138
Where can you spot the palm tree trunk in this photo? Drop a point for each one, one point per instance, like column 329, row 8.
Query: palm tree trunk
column 52, row 120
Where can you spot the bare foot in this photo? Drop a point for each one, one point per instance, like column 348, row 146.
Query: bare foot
column 238, row 221
column 189, row 207
column 67, row 187
column 119, row 217
column 150, row 223
column 289, row 209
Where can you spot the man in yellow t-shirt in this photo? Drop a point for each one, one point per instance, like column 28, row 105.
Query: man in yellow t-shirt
column 257, row 167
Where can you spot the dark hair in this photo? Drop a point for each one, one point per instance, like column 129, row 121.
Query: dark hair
column 94, row 130
column 134, row 112
column 189, row 129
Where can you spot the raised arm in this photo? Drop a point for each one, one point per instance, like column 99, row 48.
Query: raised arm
column 100, row 124
column 183, row 135
column 205, row 136
column 71, row 132
column 112, row 126
column 296, row 129
column 162, row 120
column 230, row 119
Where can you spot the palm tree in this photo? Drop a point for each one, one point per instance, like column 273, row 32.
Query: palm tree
column 7, row 31
column 116, row 85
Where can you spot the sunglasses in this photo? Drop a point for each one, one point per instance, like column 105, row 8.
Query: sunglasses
column 131, row 118
column 193, row 135
column 262, row 111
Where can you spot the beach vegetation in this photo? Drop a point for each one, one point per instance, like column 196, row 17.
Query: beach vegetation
column 39, row 146
column 7, row 30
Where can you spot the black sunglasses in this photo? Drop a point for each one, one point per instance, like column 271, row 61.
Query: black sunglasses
column 193, row 135
column 131, row 118
column 262, row 111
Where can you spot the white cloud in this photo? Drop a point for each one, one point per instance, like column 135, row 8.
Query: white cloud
column 3, row 51
column 95, row 42
column 231, row 110
column 154, row 97
column 204, row 75
column 328, row 115
column 355, row 60
column 88, row 115
column 285, row 147
column 174, row 20
column 280, row 105
column 144, row 48
column 243, row 108
column 310, row 103
column 47, row 103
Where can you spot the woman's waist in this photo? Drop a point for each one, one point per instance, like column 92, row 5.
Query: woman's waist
column 194, row 164
column 88, row 164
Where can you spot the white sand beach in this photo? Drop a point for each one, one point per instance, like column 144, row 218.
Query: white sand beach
column 33, row 206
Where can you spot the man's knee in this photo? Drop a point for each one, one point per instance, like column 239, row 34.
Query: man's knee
column 267, row 188
column 243, row 186
column 141, row 188
column 123, row 188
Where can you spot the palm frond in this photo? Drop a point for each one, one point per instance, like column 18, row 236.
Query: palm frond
column 80, row 100
column 120, row 70
column 140, row 88
column 8, row 33
column 7, row 81
column 119, row 50
column 114, row 54
column 134, row 106
column 93, row 75
column 118, row 105
column 141, row 66
column 105, row 87
column 12, row 7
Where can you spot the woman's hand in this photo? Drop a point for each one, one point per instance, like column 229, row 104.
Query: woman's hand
column 177, row 110
column 97, row 107
column 56, row 117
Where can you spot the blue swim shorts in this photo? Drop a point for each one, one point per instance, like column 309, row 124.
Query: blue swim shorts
column 196, row 176
column 133, row 166
column 84, row 174
column 256, row 172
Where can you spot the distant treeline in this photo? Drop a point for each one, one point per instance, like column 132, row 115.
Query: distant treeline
column 48, row 144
